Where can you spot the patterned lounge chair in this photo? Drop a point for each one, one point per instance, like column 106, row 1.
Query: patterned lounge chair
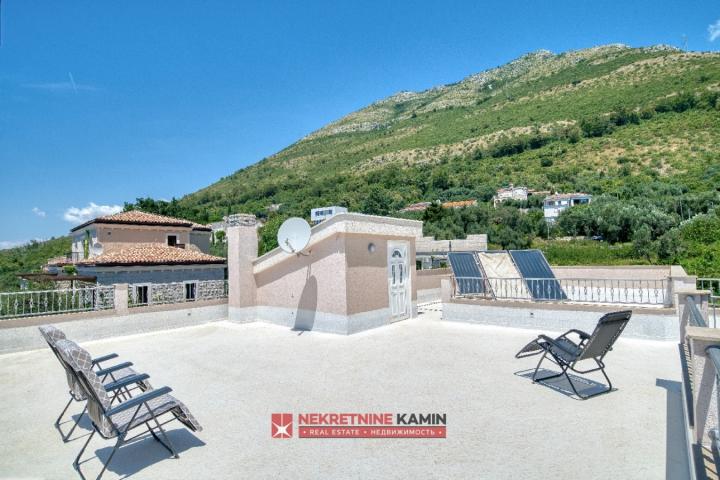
column 52, row 335
column 116, row 421
column 566, row 353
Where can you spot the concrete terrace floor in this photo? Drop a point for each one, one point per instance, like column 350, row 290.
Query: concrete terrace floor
column 233, row 377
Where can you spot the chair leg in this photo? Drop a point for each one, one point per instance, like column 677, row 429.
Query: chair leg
column 167, row 439
column 534, row 377
column 159, row 440
column 120, row 440
column 76, row 463
column 66, row 438
column 57, row 422
column 607, row 390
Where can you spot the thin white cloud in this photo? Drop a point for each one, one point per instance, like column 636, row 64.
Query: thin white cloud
column 5, row 244
column 59, row 87
column 92, row 210
column 38, row 212
column 714, row 31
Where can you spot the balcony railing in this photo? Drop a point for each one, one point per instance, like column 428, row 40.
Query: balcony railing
column 72, row 257
column 51, row 302
column 581, row 290
column 712, row 284
column 142, row 294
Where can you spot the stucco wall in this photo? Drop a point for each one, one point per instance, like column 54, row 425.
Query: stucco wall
column 201, row 240
column 367, row 274
column 647, row 323
column 313, row 282
column 430, row 279
column 114, row 237
column 85, row 326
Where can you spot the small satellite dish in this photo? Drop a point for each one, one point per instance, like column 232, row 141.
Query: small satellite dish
column 294, row 235
column 96, row 249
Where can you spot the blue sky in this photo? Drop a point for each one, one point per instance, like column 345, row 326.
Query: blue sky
column 102, row 102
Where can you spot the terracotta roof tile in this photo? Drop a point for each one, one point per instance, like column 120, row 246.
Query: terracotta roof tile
column 152, row 254
column 136, row 217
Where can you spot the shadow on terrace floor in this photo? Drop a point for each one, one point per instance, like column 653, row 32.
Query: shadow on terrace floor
column 138, row 454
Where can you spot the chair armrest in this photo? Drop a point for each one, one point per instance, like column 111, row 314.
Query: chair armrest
column 124, row 382
column 104, row 358
column 112, row 369
column 554, row 343
column 139, row 400
column 580, row 333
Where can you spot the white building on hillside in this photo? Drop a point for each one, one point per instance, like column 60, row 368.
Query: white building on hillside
column 555, row 204
column 510, row 193
column 317, row 215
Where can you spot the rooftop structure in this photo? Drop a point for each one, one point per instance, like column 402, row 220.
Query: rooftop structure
column 270, row 321
column 510, row 193
column 416, row 207
column 317, row 215
column 634, row 430
column 460, row 204
column 553, row 205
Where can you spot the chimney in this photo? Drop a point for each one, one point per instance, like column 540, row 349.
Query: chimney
column 242, row 240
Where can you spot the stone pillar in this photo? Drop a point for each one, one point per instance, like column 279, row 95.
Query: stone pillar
column 705, row 385
column 242, row 240
column 678, row 281
column 701, row 299
column 121, row 299
column 445, row 290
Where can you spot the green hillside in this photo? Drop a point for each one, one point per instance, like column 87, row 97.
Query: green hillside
column 28, row 258
column 536, row 121
column 637, row 127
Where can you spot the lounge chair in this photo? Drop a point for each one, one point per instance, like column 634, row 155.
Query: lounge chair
column 52, row 335
column 116, row 421
column 567, row 353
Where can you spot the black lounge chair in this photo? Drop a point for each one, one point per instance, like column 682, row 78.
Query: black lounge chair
column 566, row 353
column 108, row 375
column 115, row 421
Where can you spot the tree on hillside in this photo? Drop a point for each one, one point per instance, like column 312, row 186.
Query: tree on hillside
column 642, row 242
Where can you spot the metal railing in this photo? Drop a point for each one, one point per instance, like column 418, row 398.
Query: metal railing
column 582, row 290
column 143, row 294
column 713, row 285
column 713, row 353
column 51, row 302
column 696, row 317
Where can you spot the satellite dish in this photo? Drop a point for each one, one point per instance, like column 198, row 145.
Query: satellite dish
column 294, row 235
column 96, row 249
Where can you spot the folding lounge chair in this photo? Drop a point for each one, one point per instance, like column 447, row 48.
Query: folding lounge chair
column 566, row 353
column 117, row 421
column 52, row 335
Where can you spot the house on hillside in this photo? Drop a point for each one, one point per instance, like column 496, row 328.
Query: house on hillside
column 510, row 193
column 416, row 207
column 553, row 205
column 317, row 215
column 138, row 247
column 460, row 204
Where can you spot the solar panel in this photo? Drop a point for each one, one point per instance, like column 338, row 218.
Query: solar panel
column 467, row 273
column 538, row 275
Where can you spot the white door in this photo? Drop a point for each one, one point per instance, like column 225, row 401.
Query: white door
column 398, row 280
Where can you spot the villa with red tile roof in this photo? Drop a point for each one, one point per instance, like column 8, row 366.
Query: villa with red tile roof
column 140, row 247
